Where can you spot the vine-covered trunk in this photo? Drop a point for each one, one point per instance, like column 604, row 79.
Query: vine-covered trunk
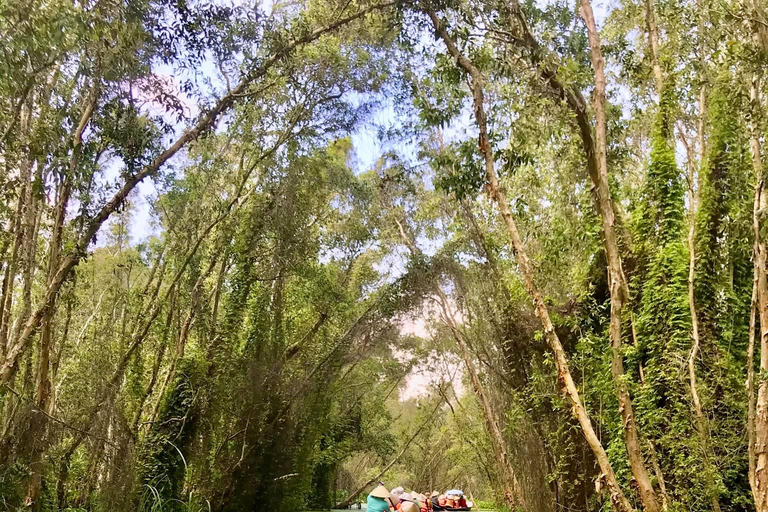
column 618, row 285
column 702, row 426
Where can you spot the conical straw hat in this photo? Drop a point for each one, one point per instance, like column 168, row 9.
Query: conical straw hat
column 409, row 506
column 380, row 492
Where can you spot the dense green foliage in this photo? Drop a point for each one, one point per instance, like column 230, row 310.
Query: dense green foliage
column 251, row 259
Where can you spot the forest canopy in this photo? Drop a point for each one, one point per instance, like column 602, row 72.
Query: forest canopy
column 263, row 255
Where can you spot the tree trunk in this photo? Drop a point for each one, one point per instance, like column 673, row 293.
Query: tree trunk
column 618, row 283
column 595, row 153
column 183, row 335
column 23, row 203
column 155, row 368
column 761, row 407
column 751, row 390
column 43, row 383
column 9, row 276
column 540, row 308
column 702, row 424
column 653, row 43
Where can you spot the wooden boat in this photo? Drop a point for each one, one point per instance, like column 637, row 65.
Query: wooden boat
column 436, row 506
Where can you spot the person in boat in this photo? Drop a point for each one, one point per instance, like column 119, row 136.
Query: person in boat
column 398, row 493
column 395, row 502
column 432, row 501
column 404, row 497
column 379, row 500
column 455, row 499
column 422, row 501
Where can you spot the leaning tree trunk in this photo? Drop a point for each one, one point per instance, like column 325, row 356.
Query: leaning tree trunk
column 498, row 196
column 594, row 145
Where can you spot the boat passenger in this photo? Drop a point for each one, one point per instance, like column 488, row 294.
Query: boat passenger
column 379, row 500
column 395, row 501
column 432, row 501
column 404, row 497
column 422, row 501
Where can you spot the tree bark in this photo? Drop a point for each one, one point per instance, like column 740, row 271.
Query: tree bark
column 498, row 196
column 653, row 43
column 761, row 406
column 9, row 276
